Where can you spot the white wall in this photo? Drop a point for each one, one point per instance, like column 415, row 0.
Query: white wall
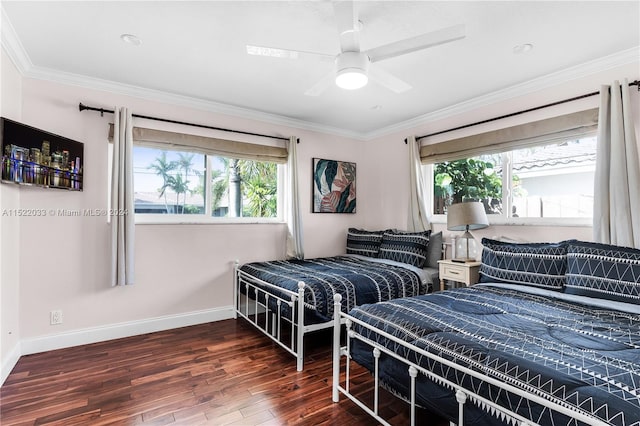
column 10, row 107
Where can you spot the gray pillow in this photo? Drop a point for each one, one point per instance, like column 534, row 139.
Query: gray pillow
column 434, row 250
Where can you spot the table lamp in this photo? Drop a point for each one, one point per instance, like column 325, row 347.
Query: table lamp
column 464, row 217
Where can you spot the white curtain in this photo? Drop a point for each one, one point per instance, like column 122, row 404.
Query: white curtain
column 294, row 215
column 122, row 221
column 418, row 219
column 616, row 215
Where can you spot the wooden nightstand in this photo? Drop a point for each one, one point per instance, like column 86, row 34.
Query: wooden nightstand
column 467, row 273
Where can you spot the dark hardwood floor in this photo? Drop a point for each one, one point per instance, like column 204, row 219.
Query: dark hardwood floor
column 218, row 373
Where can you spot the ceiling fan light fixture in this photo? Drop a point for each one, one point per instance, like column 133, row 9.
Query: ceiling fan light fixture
column 352, row 69
column 351, row 79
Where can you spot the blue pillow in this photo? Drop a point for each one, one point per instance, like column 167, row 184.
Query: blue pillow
column 363, row 242
column 405, row 247
column 534, row 264
column 603, row 271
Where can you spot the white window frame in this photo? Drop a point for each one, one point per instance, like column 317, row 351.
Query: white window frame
column 206, row 218
column 502, row 219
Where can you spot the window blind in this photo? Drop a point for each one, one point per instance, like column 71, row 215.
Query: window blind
column 550, row 130
column 207, row 145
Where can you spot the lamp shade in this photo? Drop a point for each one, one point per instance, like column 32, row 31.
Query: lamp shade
column 466, row 216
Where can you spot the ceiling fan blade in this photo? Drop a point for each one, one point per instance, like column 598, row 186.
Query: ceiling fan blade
column 388, row 80
column 420, row 42
column 347, row 23
column 322, row 85
column 275, row 52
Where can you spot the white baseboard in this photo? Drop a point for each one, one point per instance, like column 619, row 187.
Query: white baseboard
column 119, row 330
column 10, row 362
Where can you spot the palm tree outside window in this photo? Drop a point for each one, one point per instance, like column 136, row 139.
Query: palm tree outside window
column 190, row 183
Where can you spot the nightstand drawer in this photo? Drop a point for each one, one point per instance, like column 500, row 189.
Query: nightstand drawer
column 455, row 273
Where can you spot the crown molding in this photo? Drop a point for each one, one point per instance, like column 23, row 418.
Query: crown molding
column 12, row 45
column 184, row 101
column 577, row 72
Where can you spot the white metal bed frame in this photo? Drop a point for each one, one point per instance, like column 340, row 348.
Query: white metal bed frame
column 462, row 394
column 274, row 324
column 295, row 301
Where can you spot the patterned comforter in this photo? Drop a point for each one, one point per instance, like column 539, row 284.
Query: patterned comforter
column 549, row 343
column 357, row 279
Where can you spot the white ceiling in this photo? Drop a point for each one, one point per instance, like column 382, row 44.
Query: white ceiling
column 196, row 50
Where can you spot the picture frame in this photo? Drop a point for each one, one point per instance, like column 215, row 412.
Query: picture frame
column 334, row 186
column 34, row 157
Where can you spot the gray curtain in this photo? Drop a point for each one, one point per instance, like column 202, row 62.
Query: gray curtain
column 295, row 246
column 616, row 215
column 418, row 219
column 123, row 219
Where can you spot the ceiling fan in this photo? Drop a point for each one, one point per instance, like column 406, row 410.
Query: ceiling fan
column 353, row 66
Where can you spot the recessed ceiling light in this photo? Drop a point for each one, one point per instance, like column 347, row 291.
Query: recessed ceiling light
column 131, row 39
column 522, row 48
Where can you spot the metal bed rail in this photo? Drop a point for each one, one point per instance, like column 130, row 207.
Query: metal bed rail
column 462, row 394
column 255, row 298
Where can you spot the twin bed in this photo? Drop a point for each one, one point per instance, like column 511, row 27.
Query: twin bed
column 286, row 299
column 551, row 335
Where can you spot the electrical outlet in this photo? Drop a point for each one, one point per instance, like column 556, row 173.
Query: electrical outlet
column 56, row 317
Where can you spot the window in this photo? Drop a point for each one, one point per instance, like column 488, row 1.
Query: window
column 469, row 179
column 180, row 182
column 546, row 181
column 554, row 180
column 168, row 182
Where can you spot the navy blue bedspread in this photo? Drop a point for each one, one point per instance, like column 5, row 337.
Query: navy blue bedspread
column 586, row 357
column 357, row 280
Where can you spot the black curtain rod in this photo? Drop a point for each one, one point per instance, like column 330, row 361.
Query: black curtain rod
column 83, row 107
column 633, row 83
